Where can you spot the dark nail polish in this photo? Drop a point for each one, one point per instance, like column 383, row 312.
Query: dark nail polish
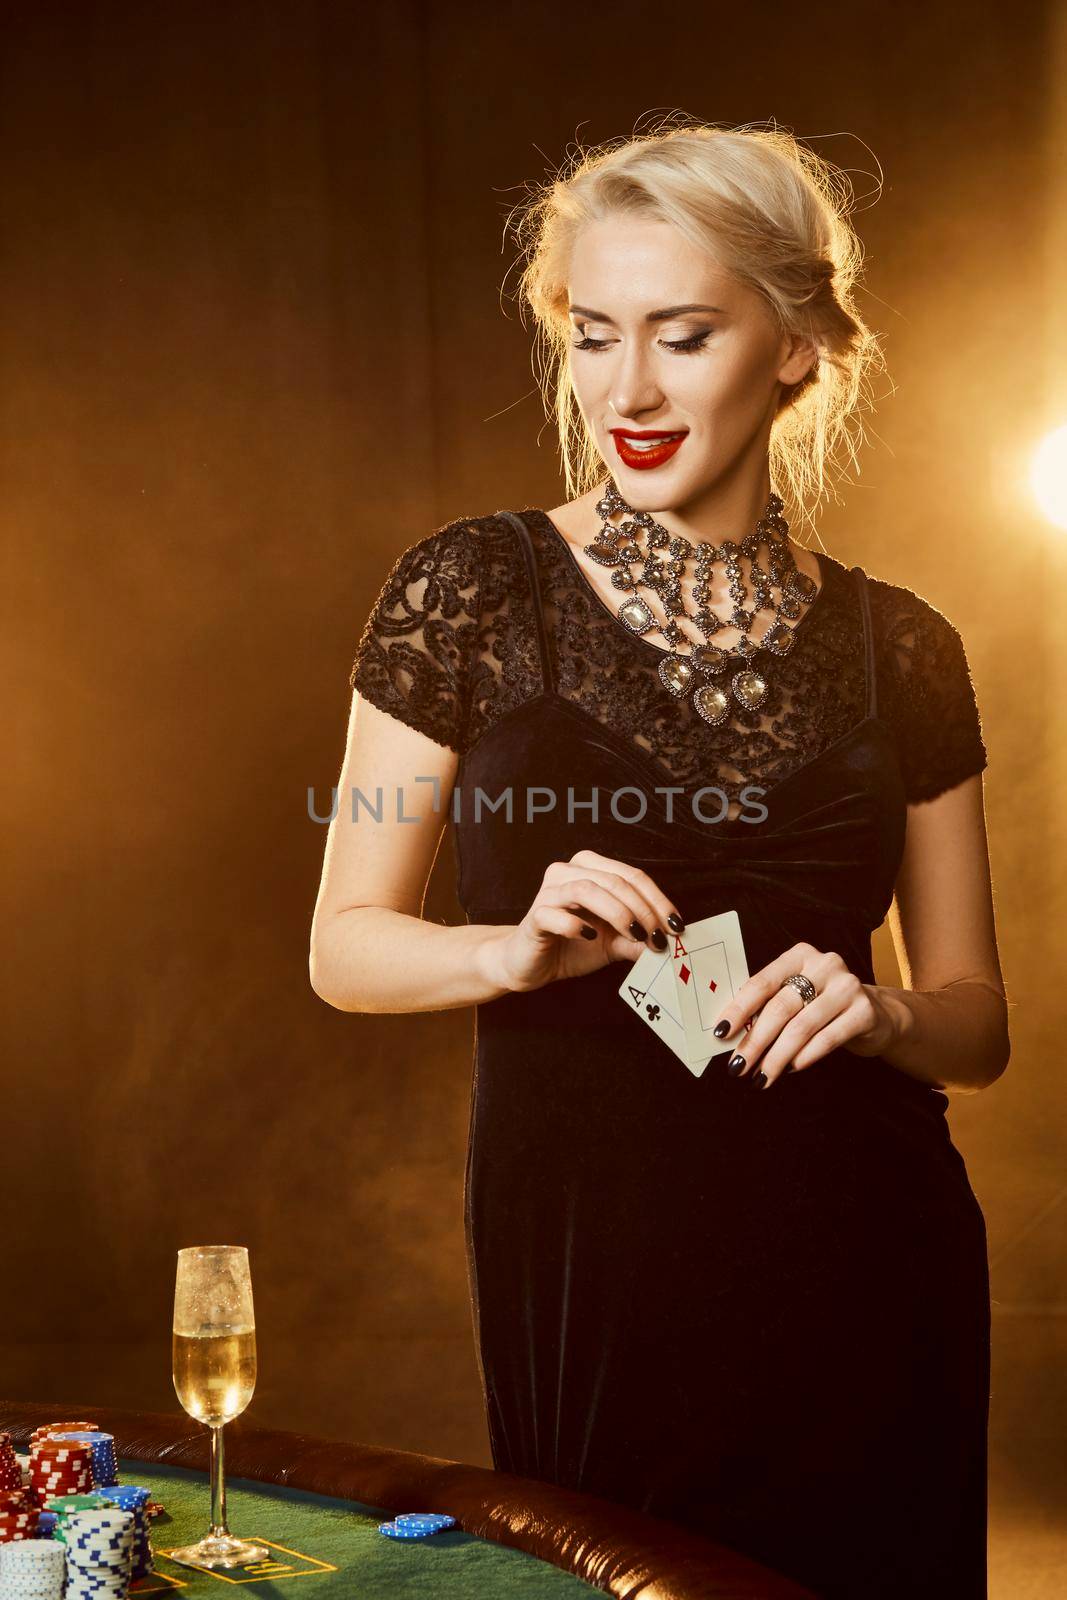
column 587, row 932
column 721, row 1029
column 637, row 930
column 766, row 1080
column 675, row 921
column 759, row 1079
column 659, row 939
column 790, row 1068
column 735, row 1064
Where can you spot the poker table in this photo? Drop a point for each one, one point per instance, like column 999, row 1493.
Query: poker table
column 316, row 1503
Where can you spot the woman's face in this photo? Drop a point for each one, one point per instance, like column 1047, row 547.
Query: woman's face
column 710, row 369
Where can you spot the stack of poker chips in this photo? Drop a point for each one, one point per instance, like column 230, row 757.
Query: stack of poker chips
column 99, row 1552
column 34, row 1569
column 416, row 1525
column 67, row 1482
column 133, row 1497
column 10, row 1471
column 102, row 1447
column 104, row 1465
column 18, row 1516
column 59, row 1469
column 61, row 1427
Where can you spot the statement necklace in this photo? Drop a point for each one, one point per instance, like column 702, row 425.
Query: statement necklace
column 680, row 672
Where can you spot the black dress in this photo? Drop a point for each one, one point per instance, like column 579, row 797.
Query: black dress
column 761, row 1314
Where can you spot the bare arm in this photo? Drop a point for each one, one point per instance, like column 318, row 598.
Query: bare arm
column 951, row 1017
column 370, row 948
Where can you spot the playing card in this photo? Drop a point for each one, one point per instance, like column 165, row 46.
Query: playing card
column 681, row 992
column 650, row 988
column 710, row 966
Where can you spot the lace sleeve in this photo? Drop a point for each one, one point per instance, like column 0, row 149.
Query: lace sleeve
column 928, row 696
column 414, row 655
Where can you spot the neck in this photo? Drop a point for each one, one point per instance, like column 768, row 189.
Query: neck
column 727, row 509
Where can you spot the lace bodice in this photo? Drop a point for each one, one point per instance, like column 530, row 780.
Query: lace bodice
column 451, row 645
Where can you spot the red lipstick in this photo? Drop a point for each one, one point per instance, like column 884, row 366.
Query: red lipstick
column 642, row 457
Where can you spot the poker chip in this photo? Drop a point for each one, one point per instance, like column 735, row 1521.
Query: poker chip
column 134, row 1497
column 10, row 1471
column 33, row 1570
column 413, row 1525
column 77, row 1502
column 425, row 1521
column 15, row 1499
column 59, row 1468
column 99, row 1545
column 18, row 1522
column 103, row 1463
column 62, row 1427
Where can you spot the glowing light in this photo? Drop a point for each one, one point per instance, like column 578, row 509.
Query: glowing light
column 1048, row 476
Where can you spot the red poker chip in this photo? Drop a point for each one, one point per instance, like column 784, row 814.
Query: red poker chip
column 63, row 1427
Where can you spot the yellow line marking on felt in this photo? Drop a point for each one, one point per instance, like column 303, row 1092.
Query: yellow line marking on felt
column 269, row 1568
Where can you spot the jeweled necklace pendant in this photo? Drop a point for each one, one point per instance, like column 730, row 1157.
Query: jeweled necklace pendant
column 682, row 673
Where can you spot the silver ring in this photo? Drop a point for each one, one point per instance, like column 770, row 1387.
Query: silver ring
column 803, row 986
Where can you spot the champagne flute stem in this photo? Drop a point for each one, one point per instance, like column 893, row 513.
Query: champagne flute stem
column 218, row 1484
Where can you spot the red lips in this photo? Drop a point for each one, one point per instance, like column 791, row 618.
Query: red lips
column 654, row 455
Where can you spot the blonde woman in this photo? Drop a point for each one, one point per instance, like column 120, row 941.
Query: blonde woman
column 751, row 1298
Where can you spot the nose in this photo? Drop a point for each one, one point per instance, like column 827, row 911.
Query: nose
column 634, row 388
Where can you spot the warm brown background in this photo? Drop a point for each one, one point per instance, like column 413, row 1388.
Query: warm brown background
column 253, row 346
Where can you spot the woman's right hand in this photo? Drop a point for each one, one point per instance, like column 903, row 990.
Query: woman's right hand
column 626, row 911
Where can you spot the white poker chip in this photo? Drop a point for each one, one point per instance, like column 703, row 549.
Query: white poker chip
column 32, row 1569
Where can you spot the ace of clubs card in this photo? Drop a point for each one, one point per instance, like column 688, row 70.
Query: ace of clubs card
column 681, row 992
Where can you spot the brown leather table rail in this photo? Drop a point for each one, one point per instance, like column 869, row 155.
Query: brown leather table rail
column 622, row 1552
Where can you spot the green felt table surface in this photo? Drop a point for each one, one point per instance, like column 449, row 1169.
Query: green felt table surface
column 330, row 1548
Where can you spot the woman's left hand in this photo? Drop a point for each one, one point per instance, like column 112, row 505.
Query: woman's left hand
column 785, row 1035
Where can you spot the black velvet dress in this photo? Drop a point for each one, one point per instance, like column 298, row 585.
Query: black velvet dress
column 761, row 1314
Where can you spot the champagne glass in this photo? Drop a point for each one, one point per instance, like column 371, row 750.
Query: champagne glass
column 214, row 1371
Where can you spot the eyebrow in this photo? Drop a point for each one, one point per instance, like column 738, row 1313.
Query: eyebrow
column 652, row 316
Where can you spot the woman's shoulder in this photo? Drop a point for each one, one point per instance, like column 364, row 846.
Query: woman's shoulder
column 927, row 694
column 910, row 629
column 462, row 550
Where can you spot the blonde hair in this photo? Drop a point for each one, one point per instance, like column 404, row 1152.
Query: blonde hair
column 775, row 215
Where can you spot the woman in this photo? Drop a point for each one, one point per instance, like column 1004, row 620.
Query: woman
column 754, row 1298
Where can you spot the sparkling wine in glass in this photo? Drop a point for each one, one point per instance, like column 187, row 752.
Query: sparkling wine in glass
column 214, row 1371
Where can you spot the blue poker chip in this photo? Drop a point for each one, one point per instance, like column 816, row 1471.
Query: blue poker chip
column 425, row 1521
column 394, row 1530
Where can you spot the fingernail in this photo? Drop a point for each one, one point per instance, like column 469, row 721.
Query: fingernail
column 637, row 930
column 790, row 1068
column 766, row 1080
column 721, row 1029
column 659, row 939
column 675, row 921
column 735, row 1064
column 759, row 1079
column 587, row 932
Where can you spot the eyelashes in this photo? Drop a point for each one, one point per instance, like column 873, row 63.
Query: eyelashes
column 696, row 341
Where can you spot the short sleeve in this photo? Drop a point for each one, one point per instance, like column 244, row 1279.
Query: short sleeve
column 414, row 655
column 928, row 696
